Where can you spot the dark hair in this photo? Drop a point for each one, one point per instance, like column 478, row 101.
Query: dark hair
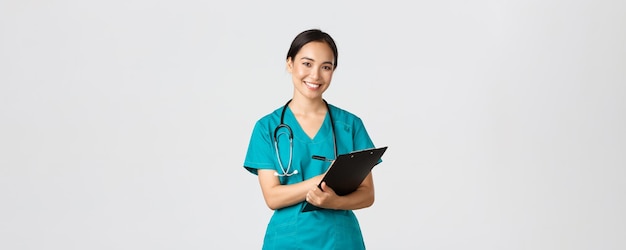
column 312, row 35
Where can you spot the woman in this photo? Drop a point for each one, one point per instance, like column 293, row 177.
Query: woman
column 281, row 148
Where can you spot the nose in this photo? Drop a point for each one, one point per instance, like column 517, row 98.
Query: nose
column 315, row 72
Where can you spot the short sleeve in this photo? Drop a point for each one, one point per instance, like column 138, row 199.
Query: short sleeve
column 362, row 139
column 260, row 150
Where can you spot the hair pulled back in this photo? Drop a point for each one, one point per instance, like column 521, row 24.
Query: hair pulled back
column 312, row 35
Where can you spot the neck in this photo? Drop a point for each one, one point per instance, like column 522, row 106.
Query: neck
column 307, row 106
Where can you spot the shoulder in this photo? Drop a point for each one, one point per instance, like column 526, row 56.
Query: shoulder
column 269, row 119
column 342, row 115
column 274, row 114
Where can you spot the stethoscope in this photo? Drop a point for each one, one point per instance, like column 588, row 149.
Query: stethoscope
column 290, row 136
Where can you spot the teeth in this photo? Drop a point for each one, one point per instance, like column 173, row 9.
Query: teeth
column 311, row 85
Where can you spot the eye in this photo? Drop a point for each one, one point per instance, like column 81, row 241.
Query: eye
column 308, row 64
column 326, row 67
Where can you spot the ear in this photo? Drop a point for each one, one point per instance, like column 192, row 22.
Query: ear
column 289, row 65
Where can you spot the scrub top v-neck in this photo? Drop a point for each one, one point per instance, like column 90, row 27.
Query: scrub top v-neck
column 290, row 228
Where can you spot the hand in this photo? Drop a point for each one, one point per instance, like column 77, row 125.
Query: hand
column 324, row 197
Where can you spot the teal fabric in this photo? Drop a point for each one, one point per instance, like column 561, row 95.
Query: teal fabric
column 321, row 229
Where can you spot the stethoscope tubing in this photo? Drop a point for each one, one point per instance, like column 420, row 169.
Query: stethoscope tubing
column 285, row 171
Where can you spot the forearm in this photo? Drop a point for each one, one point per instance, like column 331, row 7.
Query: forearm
column 279, row 196
column 361, row 198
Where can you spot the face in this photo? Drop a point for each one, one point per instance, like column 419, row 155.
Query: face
column 311, row 69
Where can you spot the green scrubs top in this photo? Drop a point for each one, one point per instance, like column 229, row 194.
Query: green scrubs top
column 289, row 228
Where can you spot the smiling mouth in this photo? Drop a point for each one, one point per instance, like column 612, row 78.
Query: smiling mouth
column 312, row 85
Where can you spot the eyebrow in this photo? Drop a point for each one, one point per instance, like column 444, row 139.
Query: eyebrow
column 327, row 62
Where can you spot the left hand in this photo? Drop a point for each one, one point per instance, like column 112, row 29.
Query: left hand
column 324, row 198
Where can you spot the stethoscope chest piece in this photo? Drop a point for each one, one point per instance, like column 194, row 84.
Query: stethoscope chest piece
column 289, row 133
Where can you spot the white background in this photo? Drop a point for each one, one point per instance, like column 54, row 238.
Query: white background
column 124, row 124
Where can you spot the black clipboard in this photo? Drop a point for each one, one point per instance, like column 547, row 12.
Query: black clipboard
column 348, row 172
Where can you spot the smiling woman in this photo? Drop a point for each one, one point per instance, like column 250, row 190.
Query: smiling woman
column 281, row 148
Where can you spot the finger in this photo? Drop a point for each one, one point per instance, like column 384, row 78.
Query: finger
column 327, row 189
column 316, row 190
